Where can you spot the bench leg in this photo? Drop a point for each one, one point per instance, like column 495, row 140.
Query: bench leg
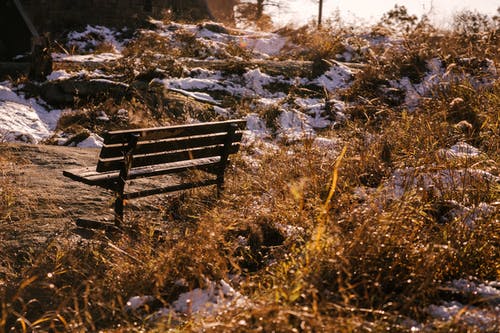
column 220, row 188
column 119, row 211
column 220, row 185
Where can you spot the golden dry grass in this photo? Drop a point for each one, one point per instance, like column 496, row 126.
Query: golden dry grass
column 358, row 257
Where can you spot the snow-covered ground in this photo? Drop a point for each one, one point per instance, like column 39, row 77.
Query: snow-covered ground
column 298, row 119
column 33, row 121
column 24, row 120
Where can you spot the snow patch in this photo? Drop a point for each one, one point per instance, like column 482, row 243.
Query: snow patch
column 24, row 120
column 92, row 141
column 199, row 96
column 488, row 291
column 255, row 80
column 294, row 126
column 136, row 302
column 58, row 75
column 92, row 37
column 337, row 77
column 256, row 127
column 460, row 150
column 268, row 45
column 438, row 181
column 89, row 58
column 210, row 300
column 451, row 311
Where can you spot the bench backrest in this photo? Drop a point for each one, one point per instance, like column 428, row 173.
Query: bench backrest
column 170, row 144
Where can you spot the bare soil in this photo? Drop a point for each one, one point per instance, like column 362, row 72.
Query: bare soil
column 45, row 204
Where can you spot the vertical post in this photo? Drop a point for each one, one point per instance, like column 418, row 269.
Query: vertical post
column 320, row 14
column 260, row 9
column 224, row 157
column 122, row 178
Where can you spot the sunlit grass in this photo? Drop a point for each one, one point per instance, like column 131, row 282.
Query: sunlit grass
column 340, row 240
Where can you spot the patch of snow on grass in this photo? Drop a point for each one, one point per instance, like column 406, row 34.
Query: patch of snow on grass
column 328, row 145
column 221, row 111
column 489, row 291
column 92, row 37
column 469, row 215
column 64, row 75
column 209, row 300
column 93, row 141
column 256, row 127
column 94, row 58
column 216, row 298
column 268, row 44
column 199, row 96
column 24, row 120
column 315, row 109
column 455, row 311
column 415, row 91
column 263, row 44
column 294, row 126
column 136, row 302
column 459, row 151
column 439, row 181
column 58, row 75
column 337, row 77
column 193, row 84
column 252, row 84
column 255, row 80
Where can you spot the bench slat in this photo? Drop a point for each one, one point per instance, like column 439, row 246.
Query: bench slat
column 106, row 179
column 151, row 134
column 152, row 147
column 112, row 164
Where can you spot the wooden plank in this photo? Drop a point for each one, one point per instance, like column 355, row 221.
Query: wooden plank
column 91, row 177
column 152, row 147
column 105, row 165
column 159, row 133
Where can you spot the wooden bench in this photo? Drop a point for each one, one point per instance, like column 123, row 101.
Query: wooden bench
column 148, row 152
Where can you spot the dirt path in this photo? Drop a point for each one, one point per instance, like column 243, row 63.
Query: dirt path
column 45, row 204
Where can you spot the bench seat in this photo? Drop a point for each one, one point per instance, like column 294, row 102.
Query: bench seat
column 107, row 180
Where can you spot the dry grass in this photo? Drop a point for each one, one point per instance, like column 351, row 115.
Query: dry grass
column 7, row 192
column 353, row 259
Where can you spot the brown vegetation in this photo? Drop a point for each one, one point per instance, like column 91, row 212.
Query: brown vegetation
column 328, row 244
